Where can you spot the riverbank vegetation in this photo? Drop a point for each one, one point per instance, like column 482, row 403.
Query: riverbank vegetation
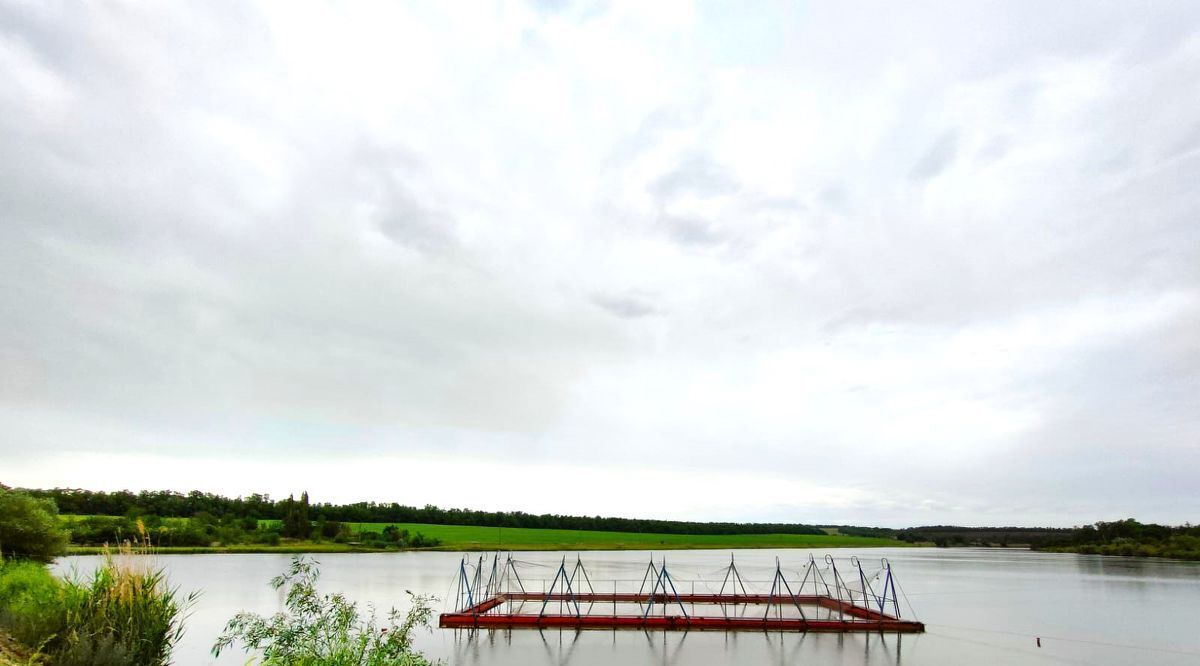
column 203, row 532
column 1122, row 537
column 29, row 527
column 1131, row 538
column 123, row 613
column 945, row 536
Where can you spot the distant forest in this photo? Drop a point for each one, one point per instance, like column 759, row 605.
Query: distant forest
column 1122, row 537
column 167, row 503
column 1119, row 537
column 953, row 535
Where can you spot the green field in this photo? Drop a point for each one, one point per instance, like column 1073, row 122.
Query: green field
column 458, row 537
column 294, row 547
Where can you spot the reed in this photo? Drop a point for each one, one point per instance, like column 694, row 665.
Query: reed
column 125, row 612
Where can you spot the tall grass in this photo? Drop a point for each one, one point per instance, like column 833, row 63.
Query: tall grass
column 31, row 603
column 123, row 613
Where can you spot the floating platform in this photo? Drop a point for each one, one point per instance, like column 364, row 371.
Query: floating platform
column 572, row 601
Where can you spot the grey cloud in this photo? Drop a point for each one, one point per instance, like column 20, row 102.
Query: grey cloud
column 649, row 133
column 938, row 158
column 407, row 222
column 833, row 197
column 691, row 231
column 695, row 174
column 626, row 305
column 144, row 280
column 550, row 6
column 698, row 176
column 1187, row 143
column 381, row 181
column 734, row 227
column 995, row 149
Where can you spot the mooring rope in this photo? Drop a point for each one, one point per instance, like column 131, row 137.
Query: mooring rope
column 1007, row 648
column 1086, row 641
column 906, row 601
column 526, row 563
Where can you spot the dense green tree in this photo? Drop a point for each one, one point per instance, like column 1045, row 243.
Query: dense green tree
column 288, row 522
column 29, row 527
column 331, row 528
column 296, row 523
column 291, row 512
column 303, row 519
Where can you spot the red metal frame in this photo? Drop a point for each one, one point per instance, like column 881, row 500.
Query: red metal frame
column 482, row 615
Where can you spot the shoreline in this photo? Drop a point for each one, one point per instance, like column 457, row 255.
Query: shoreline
column 318, row 548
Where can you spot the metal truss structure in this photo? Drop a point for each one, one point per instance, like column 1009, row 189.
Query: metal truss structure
column 821, row 601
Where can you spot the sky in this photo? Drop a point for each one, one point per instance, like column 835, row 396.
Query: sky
column 814, row 262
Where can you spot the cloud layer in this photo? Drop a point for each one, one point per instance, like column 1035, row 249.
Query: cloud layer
column 868, row 266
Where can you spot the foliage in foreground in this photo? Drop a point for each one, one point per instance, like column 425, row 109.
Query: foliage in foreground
column 29, row 527
column 124, row 613
column 326, row 630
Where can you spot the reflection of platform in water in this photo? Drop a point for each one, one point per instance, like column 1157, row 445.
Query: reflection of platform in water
column 572, row 601
column 565, row 646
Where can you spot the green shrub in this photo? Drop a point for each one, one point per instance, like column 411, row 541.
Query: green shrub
column 32, row 603
column 267, row 537
column 29, row 527
column 100, row 530
column 325, row 630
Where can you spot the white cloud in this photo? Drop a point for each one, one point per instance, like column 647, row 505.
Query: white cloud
column 914, row 270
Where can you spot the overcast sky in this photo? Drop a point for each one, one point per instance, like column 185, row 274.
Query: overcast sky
column 818, row 262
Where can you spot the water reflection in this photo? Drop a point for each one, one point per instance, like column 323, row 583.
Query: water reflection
column 570, row 647
column 557, row 655
column 1136, row 568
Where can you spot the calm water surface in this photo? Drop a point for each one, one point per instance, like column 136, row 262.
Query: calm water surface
column 980, row 606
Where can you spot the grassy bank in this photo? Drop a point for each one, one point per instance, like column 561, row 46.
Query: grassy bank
column 13, row 653
column 1168, row 551
column 458, row 537
column 123, row 613
column 294, row 548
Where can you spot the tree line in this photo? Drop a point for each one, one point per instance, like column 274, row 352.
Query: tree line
column 168, row 503
column 204, row 529
column 1132, row 538
column 1119, row 537
column 954, row 535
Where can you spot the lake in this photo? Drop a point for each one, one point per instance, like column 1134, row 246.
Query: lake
column 980, row 605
